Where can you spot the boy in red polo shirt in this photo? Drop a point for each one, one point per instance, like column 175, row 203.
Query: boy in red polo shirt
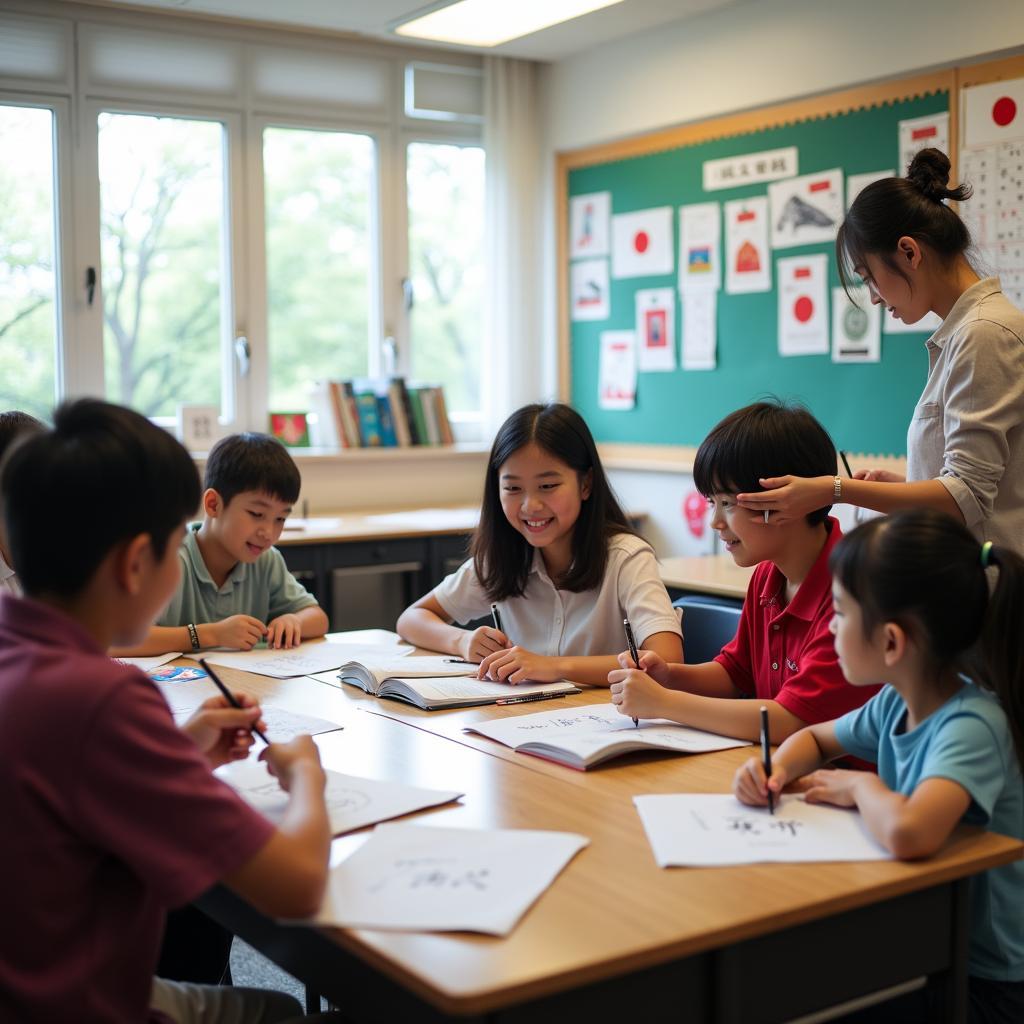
column 111, row 812
column 783, row 652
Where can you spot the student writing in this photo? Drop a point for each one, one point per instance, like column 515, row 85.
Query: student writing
column 782, row 652
column 556, row 552
column 965, row 444
column 913, row 610
column 235, row 588
column 111, row 812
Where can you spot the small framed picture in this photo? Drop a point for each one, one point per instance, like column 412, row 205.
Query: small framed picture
column 290, row 428
column 198, row 426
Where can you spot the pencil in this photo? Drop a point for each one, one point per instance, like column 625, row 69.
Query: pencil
column 496, row 618
column 766, row 756
column 631, row 641
column 846, row 464
column 228, row 695
column 527, row 697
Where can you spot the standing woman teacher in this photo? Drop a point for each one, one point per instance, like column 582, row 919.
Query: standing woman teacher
column 965, row 445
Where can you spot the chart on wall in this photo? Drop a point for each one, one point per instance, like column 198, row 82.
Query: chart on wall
column 721, row 263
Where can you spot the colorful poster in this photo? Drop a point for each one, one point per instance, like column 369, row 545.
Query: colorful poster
column 856, row 329
column 700, row 236
column 748, row 265
column 856, row 183
column 642, row 243
column 617, row 371
column 588, row 224
column 803, row 305
column 655, row 329
column 589, row 296
column 928, row 324
column 806, row 210
column 750, row 168
column 700, row 330
column 993, row 112
column 930, row 132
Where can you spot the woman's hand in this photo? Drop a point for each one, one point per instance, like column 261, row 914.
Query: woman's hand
column 518, row 665
column 224, row 733
column 786, row 498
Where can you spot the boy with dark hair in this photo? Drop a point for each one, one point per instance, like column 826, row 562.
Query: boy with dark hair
column 13, row 424
column 783, row 652
column 112, row 812
column 235, row 588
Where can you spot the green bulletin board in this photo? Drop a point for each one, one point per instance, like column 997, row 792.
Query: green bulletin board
column 865, row 407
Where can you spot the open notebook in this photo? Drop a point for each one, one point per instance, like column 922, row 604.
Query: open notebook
column 433, row 683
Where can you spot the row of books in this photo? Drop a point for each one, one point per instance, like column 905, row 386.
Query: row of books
column 378, row 413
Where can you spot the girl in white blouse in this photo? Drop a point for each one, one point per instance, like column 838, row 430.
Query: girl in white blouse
column 556, row 554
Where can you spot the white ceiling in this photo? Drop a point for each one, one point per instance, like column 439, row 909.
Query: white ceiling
column 372, row 17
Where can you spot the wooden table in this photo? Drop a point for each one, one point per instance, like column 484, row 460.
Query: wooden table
column 615, row 935
column 717, row 575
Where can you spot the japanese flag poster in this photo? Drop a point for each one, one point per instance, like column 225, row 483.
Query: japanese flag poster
column 617, row 371
column 748, row 265
column 803, row 305
column 589, row 217
column 642, row 243
column 588, row 282
column 993, row 112
column 807, row 209
column 655, row 329
column 856, row 329
column 930, row 132
column 700, row 235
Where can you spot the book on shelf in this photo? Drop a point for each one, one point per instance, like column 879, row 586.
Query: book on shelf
column 583, row 737
column 433, row 682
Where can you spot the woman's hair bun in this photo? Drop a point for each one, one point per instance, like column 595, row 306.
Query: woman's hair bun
column 929, row 174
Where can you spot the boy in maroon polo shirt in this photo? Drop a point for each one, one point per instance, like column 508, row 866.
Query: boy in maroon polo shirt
column 783, row 653
column 111, row 813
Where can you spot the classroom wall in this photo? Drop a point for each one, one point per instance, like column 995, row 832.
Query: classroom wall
column 747, row 55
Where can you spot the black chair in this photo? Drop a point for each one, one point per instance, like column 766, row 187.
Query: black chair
column 708, row 625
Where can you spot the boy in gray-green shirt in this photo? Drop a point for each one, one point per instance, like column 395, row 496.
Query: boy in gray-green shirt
column 235, row 589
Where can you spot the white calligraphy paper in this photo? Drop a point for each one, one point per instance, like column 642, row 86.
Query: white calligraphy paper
column 716, row 830
column 304, row 660
column 856, row 329
column 803, row 305
column 928, row 132
column 700, row 234
column 748, row 266
column 148, row 664
column 423, row 878
column 589, row 216
column 750, row 168
column 655, row 329
column 700, row 330
column 617, row 370
column 806, row 210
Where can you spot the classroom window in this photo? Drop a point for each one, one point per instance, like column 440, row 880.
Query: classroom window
column 319, row 199
column 164, row 259
column 446, row 213
column 28, row 280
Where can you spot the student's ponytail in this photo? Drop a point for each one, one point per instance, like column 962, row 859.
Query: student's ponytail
column 999, row 655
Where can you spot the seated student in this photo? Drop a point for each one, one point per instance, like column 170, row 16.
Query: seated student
column 556, row 553
column 12, row 425
column 111, row 813
column 913, row 610
column 782, row 652
column 235, row 588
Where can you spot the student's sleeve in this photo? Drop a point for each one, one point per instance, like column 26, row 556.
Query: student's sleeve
column 145, row 794
column 974, row 751
column 461, row 595
column 285, row 593
column 980, row 413
column 860, row 732
column 736, row 657
column 642, row 596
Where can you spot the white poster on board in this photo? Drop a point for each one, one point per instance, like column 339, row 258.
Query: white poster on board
column 642, row 243
column 806, row 210
column 748, row 266
column 700, row 330
column 856, row 183
column 589, row 217
column 750, row 168
column 993, row 112
column 917, row 133
column 856, row 328
column 803, row 305
column 589, row 295
column 617, row 370
column 655, row 329
column 700, row 235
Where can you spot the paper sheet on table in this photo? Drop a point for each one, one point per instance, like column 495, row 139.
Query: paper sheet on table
column 423, row 878
column 803, row 305
column 148, row 664
column 352, row 802
column 304, row 660
column 616, row 384
column 386, row 638
column 700, row 830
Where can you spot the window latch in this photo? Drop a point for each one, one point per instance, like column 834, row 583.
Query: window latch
column 243, row 354
column 90, row 285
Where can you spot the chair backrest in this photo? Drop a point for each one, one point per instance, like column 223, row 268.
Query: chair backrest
column 708, row 625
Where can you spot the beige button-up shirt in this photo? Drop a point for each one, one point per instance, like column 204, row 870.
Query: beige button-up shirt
column 968, row 426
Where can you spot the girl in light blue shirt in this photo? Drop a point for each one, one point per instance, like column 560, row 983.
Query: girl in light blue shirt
column 913, row 609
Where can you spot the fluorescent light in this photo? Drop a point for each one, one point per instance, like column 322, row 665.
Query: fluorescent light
column 490, row 23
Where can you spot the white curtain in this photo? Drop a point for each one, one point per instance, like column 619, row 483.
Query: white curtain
column 512, row 242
